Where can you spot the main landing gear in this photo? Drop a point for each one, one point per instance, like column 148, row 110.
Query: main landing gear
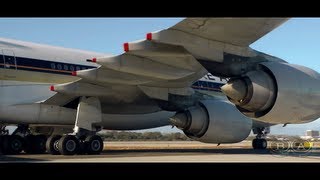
column 260, row 142
column 21, row 140
column 83, row 140
column 71, row 144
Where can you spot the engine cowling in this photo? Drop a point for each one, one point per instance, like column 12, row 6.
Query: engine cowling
column 213, row 121
column 277, row 93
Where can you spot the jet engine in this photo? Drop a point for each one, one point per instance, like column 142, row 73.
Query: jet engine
column 277, row 93
column 213, row 121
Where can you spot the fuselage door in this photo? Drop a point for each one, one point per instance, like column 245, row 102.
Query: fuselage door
column 8, row 59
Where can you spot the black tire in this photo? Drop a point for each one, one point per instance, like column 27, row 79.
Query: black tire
column 52, row 144
column 263, row 144
column 68, row 145
column 82, row 148
column 4, row 144
column 259, row 144
column 1, row 144
column 29, row 142
column 13, row 144
column 255, row 143
column 39, row 144
column 94, row 144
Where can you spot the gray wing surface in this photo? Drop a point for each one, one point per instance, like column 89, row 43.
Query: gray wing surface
column 236, row 31
column 166, row 62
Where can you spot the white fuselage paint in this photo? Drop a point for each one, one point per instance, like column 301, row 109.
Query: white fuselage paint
column 23, row 83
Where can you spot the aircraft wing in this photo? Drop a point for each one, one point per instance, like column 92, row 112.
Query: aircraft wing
column 236, row 31
column 166, row 62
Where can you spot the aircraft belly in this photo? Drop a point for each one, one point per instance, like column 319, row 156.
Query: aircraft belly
column 34, row 114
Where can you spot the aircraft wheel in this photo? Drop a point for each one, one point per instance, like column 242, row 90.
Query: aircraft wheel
column 1, row 144
column 29, row 142
column 52, row 144
column 39, row 144
column 12, row 144
column 68, row 145
column 259, row 144
column 94, row 144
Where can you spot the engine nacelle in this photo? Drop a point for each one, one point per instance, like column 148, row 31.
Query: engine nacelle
column 213, row 121
column 277, row 93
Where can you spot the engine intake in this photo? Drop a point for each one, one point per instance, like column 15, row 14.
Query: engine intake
column 213, row 121
column 277, row 93
column 256, row 92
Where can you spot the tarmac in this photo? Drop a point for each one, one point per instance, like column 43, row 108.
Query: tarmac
column 176, row 151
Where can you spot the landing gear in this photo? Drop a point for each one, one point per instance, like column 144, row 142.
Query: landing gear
column 35, row 144
column 260, row 142
column 21, row 140
column 94, row 144
column 12, row 144
column 83, row 140
column 71, row 144
column 68, row 145
column 52, row 144
column 3, row 130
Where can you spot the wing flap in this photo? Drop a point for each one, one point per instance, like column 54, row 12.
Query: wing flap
column 60, row 99
column 152, row 61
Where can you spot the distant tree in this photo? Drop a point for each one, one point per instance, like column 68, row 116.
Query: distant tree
column 145, row 136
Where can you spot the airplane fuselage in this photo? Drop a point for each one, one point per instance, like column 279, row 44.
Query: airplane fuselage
column 27, row 70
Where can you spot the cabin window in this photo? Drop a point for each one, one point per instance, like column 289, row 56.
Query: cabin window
column 65, row 67
column 203, row 84
column 195, row 84
column 53, row 66
column 59, row 66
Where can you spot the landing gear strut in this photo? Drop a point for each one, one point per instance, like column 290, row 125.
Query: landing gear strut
column 260, row 142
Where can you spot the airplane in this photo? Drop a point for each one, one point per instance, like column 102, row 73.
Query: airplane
column 199, row 75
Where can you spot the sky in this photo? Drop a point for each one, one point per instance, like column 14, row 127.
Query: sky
column 296, row 41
